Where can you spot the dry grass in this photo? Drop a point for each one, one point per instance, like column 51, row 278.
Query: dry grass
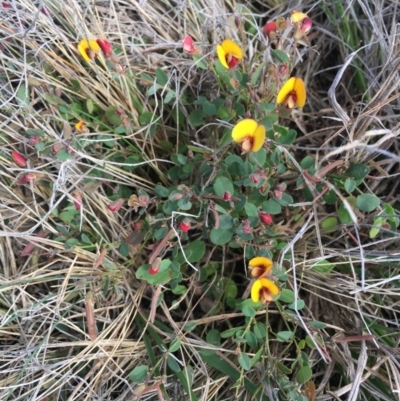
column 75, row 320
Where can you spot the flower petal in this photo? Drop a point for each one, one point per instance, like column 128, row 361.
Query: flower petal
column 233, row 48
column 85, row 45
column 300, row 90
column 272, row 288
column 222, row 56
column 297, row 16
column 261, row 261
column 243, row 129
column 258, row 139
column 255, row 291
column 285, row 90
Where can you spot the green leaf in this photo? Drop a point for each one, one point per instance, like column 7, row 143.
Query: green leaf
column 284, row 369
column 286, row 296
column 260, row 331
column 283, row 336
column 249, row 312
column 307, row 163
column 193, row 251
column 358, row 171
column 85, row 239
column 297, row 306
column 161, row 77
column 112, row 116
column 304, row 374
column 251, row 339
column 214, row 337
column 250, row 210
column 124, row 250
column 367, row 202
column 139, row 374
column 244, row 361
column 329, row 222
column 317, row 325
column 288, row 138
column 257, row 73
column 209, row 108
column 172, row 364
column 221, row 185
column 344, row 215
column 350, row 185
column 272, row 207
column 23, row 96
column 161, row 191
column 200, row 62
column 197, row 117
column 378, row 222
column 260, row 157
column 63, row 155
column 230, row 332
column 280, row 55
column 323, row 266
column 175, row 345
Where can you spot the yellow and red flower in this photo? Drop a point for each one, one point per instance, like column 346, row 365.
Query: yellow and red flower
column 229, row 53
column 249, row 134
column 264, row 290
column 302, row 24
column 292, row 93
column 79, row 126
column 88, row 49
column 260, row 266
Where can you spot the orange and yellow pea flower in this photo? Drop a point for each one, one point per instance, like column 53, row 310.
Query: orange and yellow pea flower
column 264, row 290
column 292, row 93
column 260, row 266
column 86, row 47
column 249, row 134
column 79, row 126
column 229, row 53
column 298, row 16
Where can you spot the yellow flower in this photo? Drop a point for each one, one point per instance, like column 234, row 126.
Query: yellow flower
column 229, row 53
column 79, row 125
column 263, row 290
column 297, row 16
column 86, row 47
column 260, row 266
column 292, row 93
column 249, row 134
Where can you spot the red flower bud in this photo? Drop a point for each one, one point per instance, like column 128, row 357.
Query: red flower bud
column 119, row 112
column 115, row 205
column 105, row 47
column 266, row 218
column 255, row 178
column 306, row 25
column 28, row 177
column 6, row 5
column 155, row 267
column 18, row 159
column 189, row 47
column 185, row 225
column 269, row 29
column 246, row 227
column 77, row 200
column 227, row 196
column 137, row 225
column 34, row 139
column 277, row 194
column 247, row 114
column 282, row 70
